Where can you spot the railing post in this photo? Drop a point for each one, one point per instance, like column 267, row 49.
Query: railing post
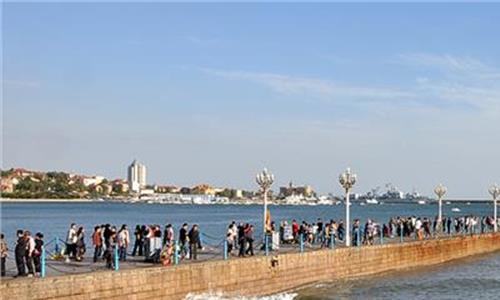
column 401, row 234
column 332, row 241
column 382, row 235
column 56, row 247
column 176, row 252
column 225, row 250
column 117, row 263
column 301, row 242
column 43, row 258
column 358, row 237
column 266, row 244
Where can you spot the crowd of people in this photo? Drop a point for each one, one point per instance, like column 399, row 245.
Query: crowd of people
column 111, row 244
column 240, row 238
column 150, row 242
column 27, row 253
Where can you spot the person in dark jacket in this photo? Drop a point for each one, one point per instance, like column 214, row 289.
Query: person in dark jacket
column 38, row 253
column 194, row 241
column 139, row 241
column 20, row 253
column 241, row 240
column 183, row 240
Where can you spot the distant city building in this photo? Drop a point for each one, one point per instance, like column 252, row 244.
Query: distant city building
column 163, row 189
column 290, row 190
column 94, row 180
column 203, row 189
column 237, row 194
column 7, row 185
column 136, row 176
column 120, row 186
column 147, row 191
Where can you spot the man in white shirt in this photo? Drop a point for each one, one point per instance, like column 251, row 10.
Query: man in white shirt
column 71, row 241
column 30, row 249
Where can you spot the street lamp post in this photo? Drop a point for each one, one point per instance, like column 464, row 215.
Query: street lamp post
column 495, row 192
column 347, row 181
column 440, row 191
column 264, row 180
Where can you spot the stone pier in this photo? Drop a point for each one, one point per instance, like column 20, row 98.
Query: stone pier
column 250, row 276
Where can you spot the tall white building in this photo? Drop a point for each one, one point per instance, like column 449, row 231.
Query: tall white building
column 136, row 176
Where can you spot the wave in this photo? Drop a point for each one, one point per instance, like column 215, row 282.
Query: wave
column 221, row 296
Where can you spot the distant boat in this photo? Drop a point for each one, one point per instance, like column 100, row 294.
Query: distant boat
column 455, row 209
column 372, row 201
column 362, row 204
column 448, row 203
column 421, row 202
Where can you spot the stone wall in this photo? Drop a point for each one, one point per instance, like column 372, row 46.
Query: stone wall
column 249, row 276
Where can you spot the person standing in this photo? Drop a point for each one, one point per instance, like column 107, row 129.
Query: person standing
column 38, row 253
column 183, row 240
column 109, row 253
column 4, row 252
column 138, row 244
column 194, row 240
column 249, row 238
column 123, row 242
column 80, row 243
column 320, row 234
column 97, row 242
column 71, row 240
column 169, row 236
column 241, row 240
column 20, row 253
column 30, row 250
column 356, row 233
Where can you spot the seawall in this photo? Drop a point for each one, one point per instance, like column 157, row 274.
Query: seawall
column 250, row 276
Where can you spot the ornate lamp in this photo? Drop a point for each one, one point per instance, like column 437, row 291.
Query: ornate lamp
column 347, row 181
column 495, row 193
column 264, row 180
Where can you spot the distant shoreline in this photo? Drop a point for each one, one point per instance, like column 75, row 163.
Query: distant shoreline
column 46, row 200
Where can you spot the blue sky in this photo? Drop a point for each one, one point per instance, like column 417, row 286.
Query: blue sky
column 402, row 93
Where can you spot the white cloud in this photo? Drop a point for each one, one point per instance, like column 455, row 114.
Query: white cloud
column 451, row 65
column 461, row 82
column 21, row 83
column 326, row 89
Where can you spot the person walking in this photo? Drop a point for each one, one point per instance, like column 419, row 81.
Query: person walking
column 4, row 252
column 97, row 242
column 194, row 240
